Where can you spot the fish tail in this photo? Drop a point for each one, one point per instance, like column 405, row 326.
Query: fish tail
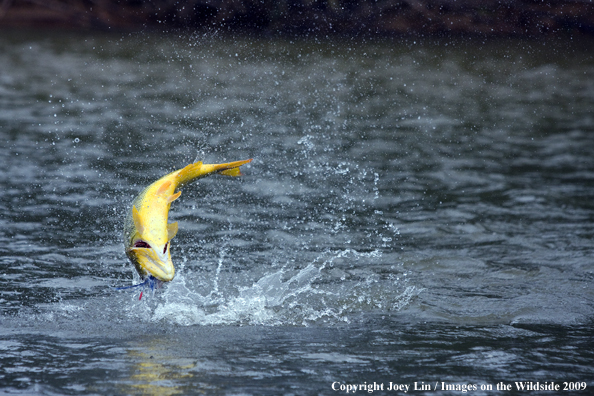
column 198, row 169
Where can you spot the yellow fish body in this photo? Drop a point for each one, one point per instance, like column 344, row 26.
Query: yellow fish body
column 147, row 234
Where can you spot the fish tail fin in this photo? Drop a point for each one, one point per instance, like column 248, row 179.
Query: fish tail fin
column 233, row 172
column 198, row 170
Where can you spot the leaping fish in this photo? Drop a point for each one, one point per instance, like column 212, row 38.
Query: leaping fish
column 147, row 235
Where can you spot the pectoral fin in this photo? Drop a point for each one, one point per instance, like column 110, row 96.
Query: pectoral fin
column 164, row 187
column 171, row 231
column 137, row 222
column 173, row 197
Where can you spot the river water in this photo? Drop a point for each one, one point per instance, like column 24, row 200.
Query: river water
column 418, row 213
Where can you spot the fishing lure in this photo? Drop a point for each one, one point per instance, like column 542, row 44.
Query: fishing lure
column 147, row 234
column 150, row 281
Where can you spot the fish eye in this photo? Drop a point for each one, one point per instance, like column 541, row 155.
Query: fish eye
column 165, row 248
column 141, row 244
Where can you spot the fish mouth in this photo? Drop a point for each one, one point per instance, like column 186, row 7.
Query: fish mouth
column 151, row 261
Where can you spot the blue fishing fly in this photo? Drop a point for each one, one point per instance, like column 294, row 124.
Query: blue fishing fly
column 152, row 282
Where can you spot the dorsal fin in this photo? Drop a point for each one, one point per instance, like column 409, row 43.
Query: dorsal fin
column 173, row 197
column 164, row 187
column 171, row 231
column 188, row 173
column 137, row 222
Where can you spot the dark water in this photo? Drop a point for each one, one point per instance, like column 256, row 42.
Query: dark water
column 417, row 213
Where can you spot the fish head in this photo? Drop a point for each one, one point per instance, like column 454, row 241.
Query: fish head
column 152, row 259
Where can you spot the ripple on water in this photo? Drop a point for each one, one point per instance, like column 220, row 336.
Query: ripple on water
column 394, row 183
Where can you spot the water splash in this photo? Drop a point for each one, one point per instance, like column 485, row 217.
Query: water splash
column 319, row 293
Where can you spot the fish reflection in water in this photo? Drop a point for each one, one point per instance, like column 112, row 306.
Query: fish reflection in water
column 155, row 374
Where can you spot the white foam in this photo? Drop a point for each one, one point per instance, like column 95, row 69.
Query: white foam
column 284, row 297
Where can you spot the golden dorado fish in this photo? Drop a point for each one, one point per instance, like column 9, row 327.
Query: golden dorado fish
column 146, row 231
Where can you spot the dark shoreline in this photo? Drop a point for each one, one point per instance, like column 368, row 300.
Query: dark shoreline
column 523, row 18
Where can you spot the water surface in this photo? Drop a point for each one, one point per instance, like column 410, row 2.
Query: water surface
column 416, row 211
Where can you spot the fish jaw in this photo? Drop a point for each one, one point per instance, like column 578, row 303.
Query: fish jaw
column 152, row 261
